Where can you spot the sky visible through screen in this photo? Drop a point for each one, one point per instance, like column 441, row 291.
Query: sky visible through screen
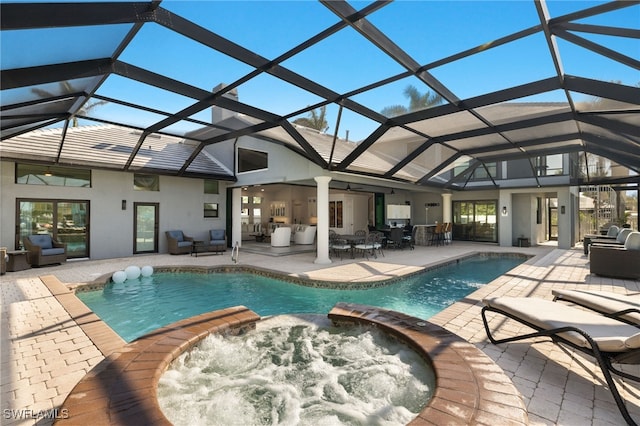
column 428, row 31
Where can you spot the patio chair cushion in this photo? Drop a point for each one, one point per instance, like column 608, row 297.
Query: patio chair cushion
column 43, row 240
column 606, row 302
column 622, row 235
column 633, row 241
column 613, row 231
column 217, row 237
column 610, row 335
column 177, row 235
column 52, row 251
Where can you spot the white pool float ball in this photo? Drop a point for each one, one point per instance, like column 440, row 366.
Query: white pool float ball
column 132, row 272
column 119, row 277
column 146, row 271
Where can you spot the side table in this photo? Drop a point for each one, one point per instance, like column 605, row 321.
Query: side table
column 17, row 261
column 199, row 247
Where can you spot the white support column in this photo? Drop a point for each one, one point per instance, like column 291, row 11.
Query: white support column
column 446, row 208
column 236, row 221
column 322, row 234
column 565, row 218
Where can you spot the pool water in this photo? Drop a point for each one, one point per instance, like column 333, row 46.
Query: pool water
column 136, row 307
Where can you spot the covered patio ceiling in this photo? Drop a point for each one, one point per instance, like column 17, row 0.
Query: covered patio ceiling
column 505, row 80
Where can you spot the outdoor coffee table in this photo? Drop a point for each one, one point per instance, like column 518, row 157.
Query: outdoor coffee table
column 199, row 246
column 261, row 238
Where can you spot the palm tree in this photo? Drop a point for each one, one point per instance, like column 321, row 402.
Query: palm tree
column 316, row 119
column 417, row 101
column 66, row 87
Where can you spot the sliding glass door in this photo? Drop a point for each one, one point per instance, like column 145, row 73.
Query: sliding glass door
column 65, row 220
column 475, row 221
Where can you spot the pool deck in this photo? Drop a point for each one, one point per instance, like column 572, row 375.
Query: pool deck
column 45, row 352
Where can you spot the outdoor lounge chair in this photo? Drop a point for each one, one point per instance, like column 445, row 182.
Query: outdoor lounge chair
column 606, row 339
column 614, row 305
column 44, row 250
column 217, row 240
column 617, row 262
column 178, row 242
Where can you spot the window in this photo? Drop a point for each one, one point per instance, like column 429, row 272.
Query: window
column 487, row 171
column 249, row 160
column 480, row 172
column 211, row 186
column 251, row 211
column 146, row 182
column 210, row 209
column 549, row 165
column 37, row 174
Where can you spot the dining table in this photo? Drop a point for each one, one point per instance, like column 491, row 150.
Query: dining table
column 352, row 238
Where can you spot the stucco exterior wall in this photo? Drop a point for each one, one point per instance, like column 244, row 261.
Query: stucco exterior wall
column 181, row 203
column 284, row 165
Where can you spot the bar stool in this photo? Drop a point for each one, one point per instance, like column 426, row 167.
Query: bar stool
column 437, row 235
column 448, row 227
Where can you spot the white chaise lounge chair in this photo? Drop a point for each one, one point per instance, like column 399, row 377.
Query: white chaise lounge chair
column 624, row 307
column 606, row 339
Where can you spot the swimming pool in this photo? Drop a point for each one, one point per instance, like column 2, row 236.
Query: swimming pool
column 136, row 307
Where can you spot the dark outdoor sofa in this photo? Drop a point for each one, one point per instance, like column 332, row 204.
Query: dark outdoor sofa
column 617, row 261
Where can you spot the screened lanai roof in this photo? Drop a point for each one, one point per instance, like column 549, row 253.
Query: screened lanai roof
column 409, row 89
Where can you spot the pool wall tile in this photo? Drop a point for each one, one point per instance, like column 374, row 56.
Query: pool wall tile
column 99, row 283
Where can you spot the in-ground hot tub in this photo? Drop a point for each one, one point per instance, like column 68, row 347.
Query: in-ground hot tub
column 470, row 387
column 297, row 369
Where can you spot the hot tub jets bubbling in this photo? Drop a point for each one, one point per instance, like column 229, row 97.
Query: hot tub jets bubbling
column 297, row 370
